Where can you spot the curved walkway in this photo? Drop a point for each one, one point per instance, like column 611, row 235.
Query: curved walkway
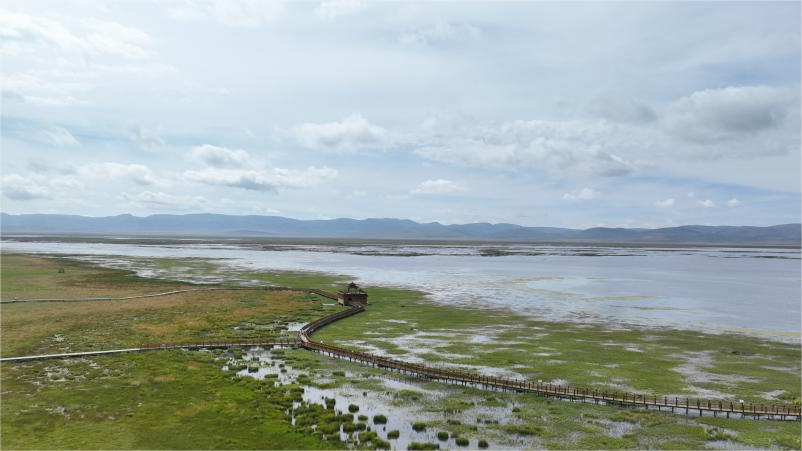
column 673, row 404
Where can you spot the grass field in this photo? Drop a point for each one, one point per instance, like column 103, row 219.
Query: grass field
column 183, row 400
column 162, row 400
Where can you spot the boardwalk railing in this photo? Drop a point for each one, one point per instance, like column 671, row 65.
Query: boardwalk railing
column 686, row 405
column 674, row 404
column 161, row 346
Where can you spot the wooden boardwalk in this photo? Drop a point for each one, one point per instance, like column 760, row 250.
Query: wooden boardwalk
column 702, row 407
column 159, row 347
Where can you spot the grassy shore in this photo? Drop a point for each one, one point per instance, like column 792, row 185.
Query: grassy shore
column 179, row 400
column 653, row 361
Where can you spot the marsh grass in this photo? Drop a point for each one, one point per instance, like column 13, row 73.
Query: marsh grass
column 180, row 400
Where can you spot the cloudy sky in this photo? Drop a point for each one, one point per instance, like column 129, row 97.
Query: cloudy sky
column 573, row 114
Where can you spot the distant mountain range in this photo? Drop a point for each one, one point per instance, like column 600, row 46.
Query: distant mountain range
column 216, row 225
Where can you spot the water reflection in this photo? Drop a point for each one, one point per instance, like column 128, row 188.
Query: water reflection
column 753, row 291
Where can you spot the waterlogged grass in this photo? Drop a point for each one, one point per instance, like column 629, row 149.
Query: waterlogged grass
column 515, row 420
column 655, row 362
column 29, row 277
column 162, row 400
column 33, row 328
column 183, row 400
column 157, row 400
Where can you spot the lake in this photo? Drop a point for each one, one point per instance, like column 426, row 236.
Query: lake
column 750, row 291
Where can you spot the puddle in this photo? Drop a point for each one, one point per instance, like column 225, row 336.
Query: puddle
column 402, row 400
column 729, row 444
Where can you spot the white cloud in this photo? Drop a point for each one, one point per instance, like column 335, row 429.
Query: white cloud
column 351, row 134
column 573, row 148
column 23, row 33
column 219, row 157
column 17, row 187
column 238, row 14
column 168, row 202
column 666, row 203
column 262, row 180
column 113, row 38
column 714, row 115
column 691, row 194
column 707, row 203
column 438, row 186
column 37, row 89
column 137, row 173
column 581, row 195
column 147, row 138
column 441, row 32
column 734, row 202
column 58, row 136
column 338, row 8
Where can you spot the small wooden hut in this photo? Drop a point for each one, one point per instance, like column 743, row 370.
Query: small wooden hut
column 352, row 295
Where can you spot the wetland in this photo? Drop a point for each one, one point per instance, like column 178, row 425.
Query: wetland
column 292, row 398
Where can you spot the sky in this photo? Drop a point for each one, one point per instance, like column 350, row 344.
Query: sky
column 541, row 114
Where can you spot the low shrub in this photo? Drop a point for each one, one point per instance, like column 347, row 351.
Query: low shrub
column 353, row 408
column 462, row 441
column 363, row 418
column 483, row 443
column 442, row 435
column 365, row 437
column 523, row 429
column 415, row 446
column 418, row 426
column 393, row 434
column 379, row 419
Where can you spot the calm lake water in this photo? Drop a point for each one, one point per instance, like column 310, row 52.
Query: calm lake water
column 751, row 291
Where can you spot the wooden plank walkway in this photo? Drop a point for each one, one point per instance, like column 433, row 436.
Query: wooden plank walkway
column 160, row 347
column 154, row 295
column 674, row 404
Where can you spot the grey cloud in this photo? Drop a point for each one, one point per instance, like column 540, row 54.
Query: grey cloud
column 729, row 113
column 561, row 148
column 169, row 202
column 220, row 157
column 351, row 134
column 147, row 138
column 17, row 187
column 622, row 110
column 39, row 166
column 262, row 180
column 9, row 95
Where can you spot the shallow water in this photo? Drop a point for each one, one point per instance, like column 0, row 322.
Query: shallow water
column 752, row 291
column 383, row 401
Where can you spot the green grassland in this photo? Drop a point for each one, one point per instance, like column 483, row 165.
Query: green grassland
column 183, row 400
column 646, row 361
